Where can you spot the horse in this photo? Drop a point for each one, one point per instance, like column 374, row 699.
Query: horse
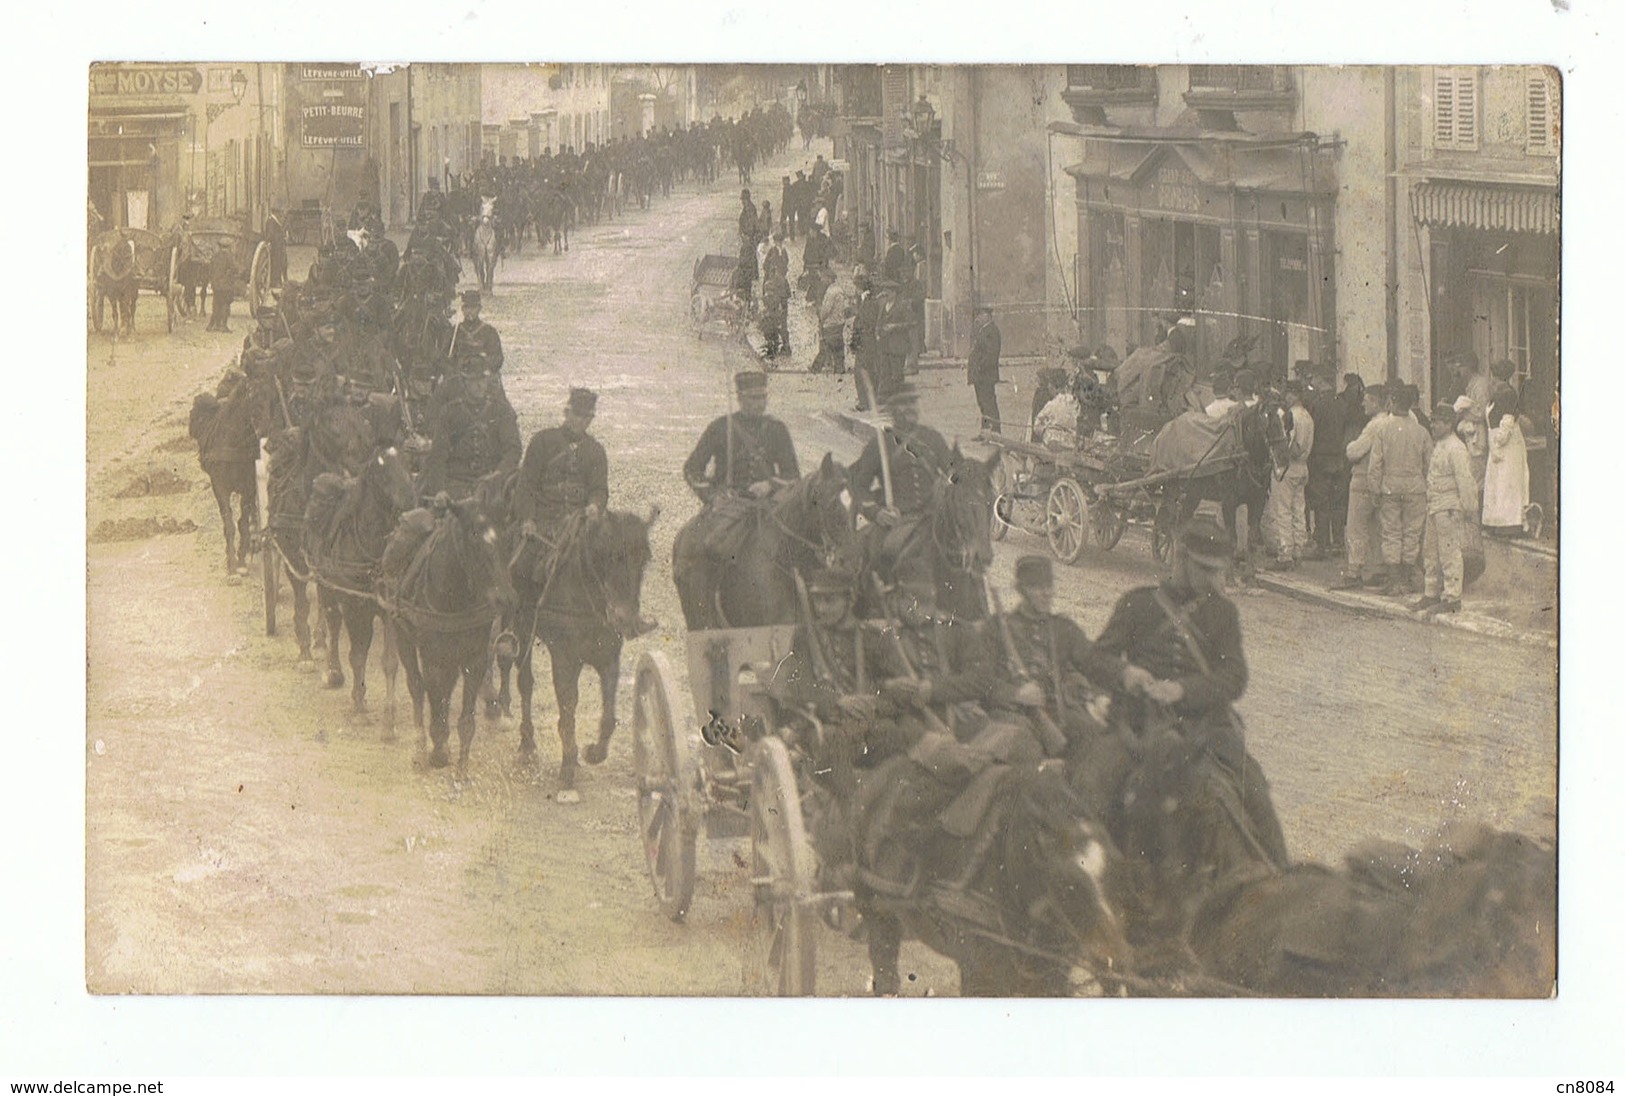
column 348, row 521
column 553, row 216
column 805, row 525
column 951, row 545
column 581, row 599
column 452, row 584
column 1259, row 435
column 225, row 427
column 116, row 281
column 1017, row 896
column 487, row 253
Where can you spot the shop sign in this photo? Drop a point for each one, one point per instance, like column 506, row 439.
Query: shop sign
column 1177, row 190
column 106, row 80
column 990, row 180
column 330, row 105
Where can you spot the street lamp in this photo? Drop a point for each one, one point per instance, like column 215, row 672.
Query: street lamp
column 239, row 85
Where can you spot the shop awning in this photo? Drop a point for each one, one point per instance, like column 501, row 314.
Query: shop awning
column 1486, row 208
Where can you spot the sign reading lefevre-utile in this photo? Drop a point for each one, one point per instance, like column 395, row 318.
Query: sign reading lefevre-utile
column 330, row 105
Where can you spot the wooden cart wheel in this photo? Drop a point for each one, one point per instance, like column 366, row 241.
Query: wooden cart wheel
column 1067, row 523
column 170, row 284
column 1162, row 529
column 666, row 815
column 259, row 277
column 1107, row 521
column 98, row 299
column 269, row 559
column 1003, row 505
column 782, row 944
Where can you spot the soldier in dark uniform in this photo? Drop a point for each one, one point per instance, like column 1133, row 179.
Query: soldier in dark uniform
column 565, row 471
column 1175, row 654
column 226, row 286
column 894, row 330
column 743, row 454
column 1049, row 653
column 749, row 231
column 474, row 338
column 473, row 431
column 917, row 455
column 265, row 332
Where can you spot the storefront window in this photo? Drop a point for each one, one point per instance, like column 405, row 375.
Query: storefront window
column 1109, row 317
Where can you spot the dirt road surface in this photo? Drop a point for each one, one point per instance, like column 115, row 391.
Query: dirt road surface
column 245, row 833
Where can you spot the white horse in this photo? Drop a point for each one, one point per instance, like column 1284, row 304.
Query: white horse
column 486, row 251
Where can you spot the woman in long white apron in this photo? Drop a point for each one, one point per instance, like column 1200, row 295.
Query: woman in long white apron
column 1506, row 479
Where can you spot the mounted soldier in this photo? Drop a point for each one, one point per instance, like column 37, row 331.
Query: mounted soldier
column 473, row 431
column 565, row 471
column 893, row 487
column 1174, row 653
column 474, row 340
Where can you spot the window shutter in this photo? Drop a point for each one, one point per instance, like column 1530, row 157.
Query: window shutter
column 1539, row 114
column 1467, row 110
column 1444, row 110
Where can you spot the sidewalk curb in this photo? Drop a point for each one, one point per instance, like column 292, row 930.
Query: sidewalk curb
column 1368, row 605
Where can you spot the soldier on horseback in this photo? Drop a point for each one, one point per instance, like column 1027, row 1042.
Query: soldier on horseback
column 473, row 431
column 743, row 454
column 474, row 340
column 1174, row 652
column 894, row 490
column 565, row 472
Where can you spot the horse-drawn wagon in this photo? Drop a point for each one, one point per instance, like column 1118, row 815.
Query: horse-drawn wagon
column 714, row 307
column 733, row 771
column 122, row 262
column 249, row 253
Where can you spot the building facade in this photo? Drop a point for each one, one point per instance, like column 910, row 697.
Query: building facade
column 165, row 139
column 424, row 129
column 529, row 109
column 1479, row 164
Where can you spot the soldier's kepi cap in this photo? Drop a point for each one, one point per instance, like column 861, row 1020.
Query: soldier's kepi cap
column 471, row 297
column 1204, row 541
column 583, row 401
column 1035, row 571
column 750, row 382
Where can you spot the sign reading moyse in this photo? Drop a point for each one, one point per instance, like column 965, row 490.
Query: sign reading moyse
column 328, row 105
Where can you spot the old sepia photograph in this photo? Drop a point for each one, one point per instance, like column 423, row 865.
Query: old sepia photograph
column 822, row 529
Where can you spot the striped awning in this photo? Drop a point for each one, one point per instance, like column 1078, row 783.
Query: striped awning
column 1487, row 208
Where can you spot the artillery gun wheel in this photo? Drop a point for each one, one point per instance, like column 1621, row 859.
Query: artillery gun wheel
column 783, row 947
column 666, row 814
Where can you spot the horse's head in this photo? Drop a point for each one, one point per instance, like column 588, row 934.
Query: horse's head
column 818, row 511
column 615, row 552
column 963, row 520
column 1064, row 870
column 387, row 475
column 478, row 541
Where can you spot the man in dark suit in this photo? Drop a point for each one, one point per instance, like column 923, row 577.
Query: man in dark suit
column 982, row 370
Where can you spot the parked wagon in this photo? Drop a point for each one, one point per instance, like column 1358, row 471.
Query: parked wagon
column 249, row 251
column 732, row 771
column 714, row 307
column 153, row 258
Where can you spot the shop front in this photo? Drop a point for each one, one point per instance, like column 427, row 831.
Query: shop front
column 141, row 122
column 1236, row 234
column 1494, row 267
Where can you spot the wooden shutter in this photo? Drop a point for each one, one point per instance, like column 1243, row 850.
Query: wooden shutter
column 1539, row 114
column 1455, row 109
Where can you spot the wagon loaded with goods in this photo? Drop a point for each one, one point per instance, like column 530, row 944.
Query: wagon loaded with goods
column 249, row 252
column 714, row 307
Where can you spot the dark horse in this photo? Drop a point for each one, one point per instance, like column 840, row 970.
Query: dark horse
column 1207, row 911
column 1257, row 438
column 806, row 525
column 554, row 213
column 580, row 597
column 952, row 545
column 1016, row 901
column 348, row 522
column 450, row 585
column 226, row 429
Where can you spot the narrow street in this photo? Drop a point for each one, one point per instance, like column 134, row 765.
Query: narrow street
column 246, row 834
